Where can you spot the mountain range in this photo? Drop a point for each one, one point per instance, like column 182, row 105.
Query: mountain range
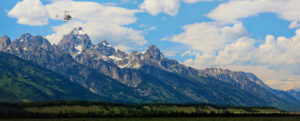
column 294, row 93
column 33, row 69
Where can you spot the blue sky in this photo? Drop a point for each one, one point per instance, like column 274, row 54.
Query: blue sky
column 257, row 36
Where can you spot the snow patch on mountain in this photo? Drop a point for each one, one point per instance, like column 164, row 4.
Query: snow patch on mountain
column 78, row 31
column 115, row 58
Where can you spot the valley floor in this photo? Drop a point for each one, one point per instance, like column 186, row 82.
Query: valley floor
column 167, row 119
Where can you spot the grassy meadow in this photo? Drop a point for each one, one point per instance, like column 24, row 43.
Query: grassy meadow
column 167, row 119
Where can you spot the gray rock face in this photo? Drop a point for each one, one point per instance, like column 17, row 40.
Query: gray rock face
column 36, row 49
column 242, row 79
column 4, row 42
column 75, row 42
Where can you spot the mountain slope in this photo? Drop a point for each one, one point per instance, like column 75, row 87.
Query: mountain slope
column 38, row 50
column 6, row 96
column 295, row 93
column 209, row 85
column 30, row 82
column 144, row 77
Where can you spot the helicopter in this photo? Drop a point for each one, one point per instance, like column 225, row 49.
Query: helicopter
column 67, row 17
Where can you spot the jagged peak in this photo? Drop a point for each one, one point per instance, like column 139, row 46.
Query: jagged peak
column 153, row 49
column 5, row 38
column 217, row 70
column 104, row 43
column 26, row 35
column 154, row 52
column 76, row 37
column 28, row 38
column 4, row 42
column 78, row 31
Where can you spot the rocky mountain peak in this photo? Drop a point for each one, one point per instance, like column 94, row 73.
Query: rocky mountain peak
column 104, row 43
column 29, row 40
column 4, row 42
column 153, row 53
column 28, row 45
column 78, row 31
column 75, row 42
column 25, row 37
column 5, row 37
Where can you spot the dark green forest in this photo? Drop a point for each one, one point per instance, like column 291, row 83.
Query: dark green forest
column 73, row 109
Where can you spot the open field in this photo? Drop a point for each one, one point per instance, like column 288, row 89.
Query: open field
column 168, row 119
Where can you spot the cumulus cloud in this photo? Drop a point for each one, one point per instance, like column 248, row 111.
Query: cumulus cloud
column 277, row 53
column 294, row 24
column 148, row 27
column 209, row 36
column 226, row 43
column 234, row 10
column 58, row 0
column 281, row 50
column 275, row 60
column 170, row 53
column 170, row 7
column 100, row 22
column 30, row 12
column 195, row 1
column 155, row 7
column 238, row 53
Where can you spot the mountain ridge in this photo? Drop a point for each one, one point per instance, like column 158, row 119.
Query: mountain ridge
column 146, row 76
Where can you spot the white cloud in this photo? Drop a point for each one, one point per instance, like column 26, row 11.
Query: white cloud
column 98, row 21
column 91, row 11
column 58, row 0
column 170, row 53
column 111, row 4
column 225, row 42
column 195, row 1
column 148, row 27
column 234, row 10
column 155, row 7
column 30, row 12
column 294, row 24
column 238, row 53
column 208, row 37
column 276, row 61
column 280, row 51
column 170, row 7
